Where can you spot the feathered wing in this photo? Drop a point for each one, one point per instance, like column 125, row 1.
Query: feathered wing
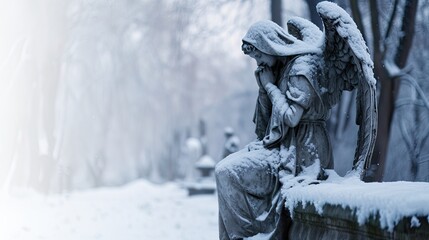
column 305, row 30
column 348, row 66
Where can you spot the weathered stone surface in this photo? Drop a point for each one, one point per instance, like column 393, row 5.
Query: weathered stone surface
column 337, row 222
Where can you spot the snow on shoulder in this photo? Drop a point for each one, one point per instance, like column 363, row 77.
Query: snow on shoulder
column 391, row 201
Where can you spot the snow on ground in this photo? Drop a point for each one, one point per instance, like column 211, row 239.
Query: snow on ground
column 140, row 210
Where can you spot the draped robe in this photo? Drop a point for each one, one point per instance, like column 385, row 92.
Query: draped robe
column 248, row 183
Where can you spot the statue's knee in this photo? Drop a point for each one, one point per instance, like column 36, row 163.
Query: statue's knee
column 222, row 171
column 219, row 169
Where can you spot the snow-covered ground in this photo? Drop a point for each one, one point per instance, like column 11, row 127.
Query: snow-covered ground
column 139, row 210
column 143, row 210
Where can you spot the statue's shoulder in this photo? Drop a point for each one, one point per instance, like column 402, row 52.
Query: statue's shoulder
column 309, row 65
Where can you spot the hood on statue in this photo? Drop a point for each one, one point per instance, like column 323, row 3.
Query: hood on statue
column 270, row 38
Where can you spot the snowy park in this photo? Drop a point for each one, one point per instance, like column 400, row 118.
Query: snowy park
column 138, row 210
column 214, row 119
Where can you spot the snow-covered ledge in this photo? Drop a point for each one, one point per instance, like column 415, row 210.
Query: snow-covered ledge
column 347, row 208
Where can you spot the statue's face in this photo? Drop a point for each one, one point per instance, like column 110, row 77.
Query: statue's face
column 262, row 59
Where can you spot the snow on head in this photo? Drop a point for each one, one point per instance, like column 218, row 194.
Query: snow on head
column 270, row 38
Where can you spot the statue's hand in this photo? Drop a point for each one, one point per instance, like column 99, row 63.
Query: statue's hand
column 257, row 71
column 255, row 146
column 266, row 76
column 289, row 180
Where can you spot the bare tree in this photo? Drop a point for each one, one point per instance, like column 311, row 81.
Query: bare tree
column 388, row 83
column 35, row 36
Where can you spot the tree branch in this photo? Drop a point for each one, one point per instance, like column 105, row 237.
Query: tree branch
column 407, row 28
column 314, row 16
column 392, row 17
column 375, row 26
column 276, row 12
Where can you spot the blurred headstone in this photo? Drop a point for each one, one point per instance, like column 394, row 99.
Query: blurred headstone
column 232, row 142
column 191, row 152
column 205, row 183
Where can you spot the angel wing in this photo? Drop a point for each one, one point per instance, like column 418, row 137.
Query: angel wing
column 305, row 30
column 348, row 65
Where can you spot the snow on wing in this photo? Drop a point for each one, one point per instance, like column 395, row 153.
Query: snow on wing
column 305, row 30
column 348, row 65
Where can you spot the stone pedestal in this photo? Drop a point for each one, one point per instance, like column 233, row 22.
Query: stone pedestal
column 205, row 183
column 346, row 208
column 337, row 222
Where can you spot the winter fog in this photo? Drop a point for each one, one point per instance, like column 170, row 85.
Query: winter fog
column 99, row 93
column 106, row 105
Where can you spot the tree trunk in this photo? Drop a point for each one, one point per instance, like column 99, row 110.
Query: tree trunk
column 389, row 86
column 276, row 12
column 314, row 16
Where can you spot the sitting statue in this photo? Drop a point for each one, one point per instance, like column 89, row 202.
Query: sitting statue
column 301, row 74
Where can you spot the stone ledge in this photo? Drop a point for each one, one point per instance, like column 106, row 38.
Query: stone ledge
column 347, row 208
column 337, row 222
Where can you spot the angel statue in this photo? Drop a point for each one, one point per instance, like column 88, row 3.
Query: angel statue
column 301, row 74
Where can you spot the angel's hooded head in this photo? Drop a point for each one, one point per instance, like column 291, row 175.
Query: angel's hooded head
column 269, row 38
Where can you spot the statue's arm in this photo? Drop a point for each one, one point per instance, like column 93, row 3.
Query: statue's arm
column 262, row 113
column 292, row 104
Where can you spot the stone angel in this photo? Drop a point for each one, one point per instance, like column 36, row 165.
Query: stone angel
column 301, row 74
